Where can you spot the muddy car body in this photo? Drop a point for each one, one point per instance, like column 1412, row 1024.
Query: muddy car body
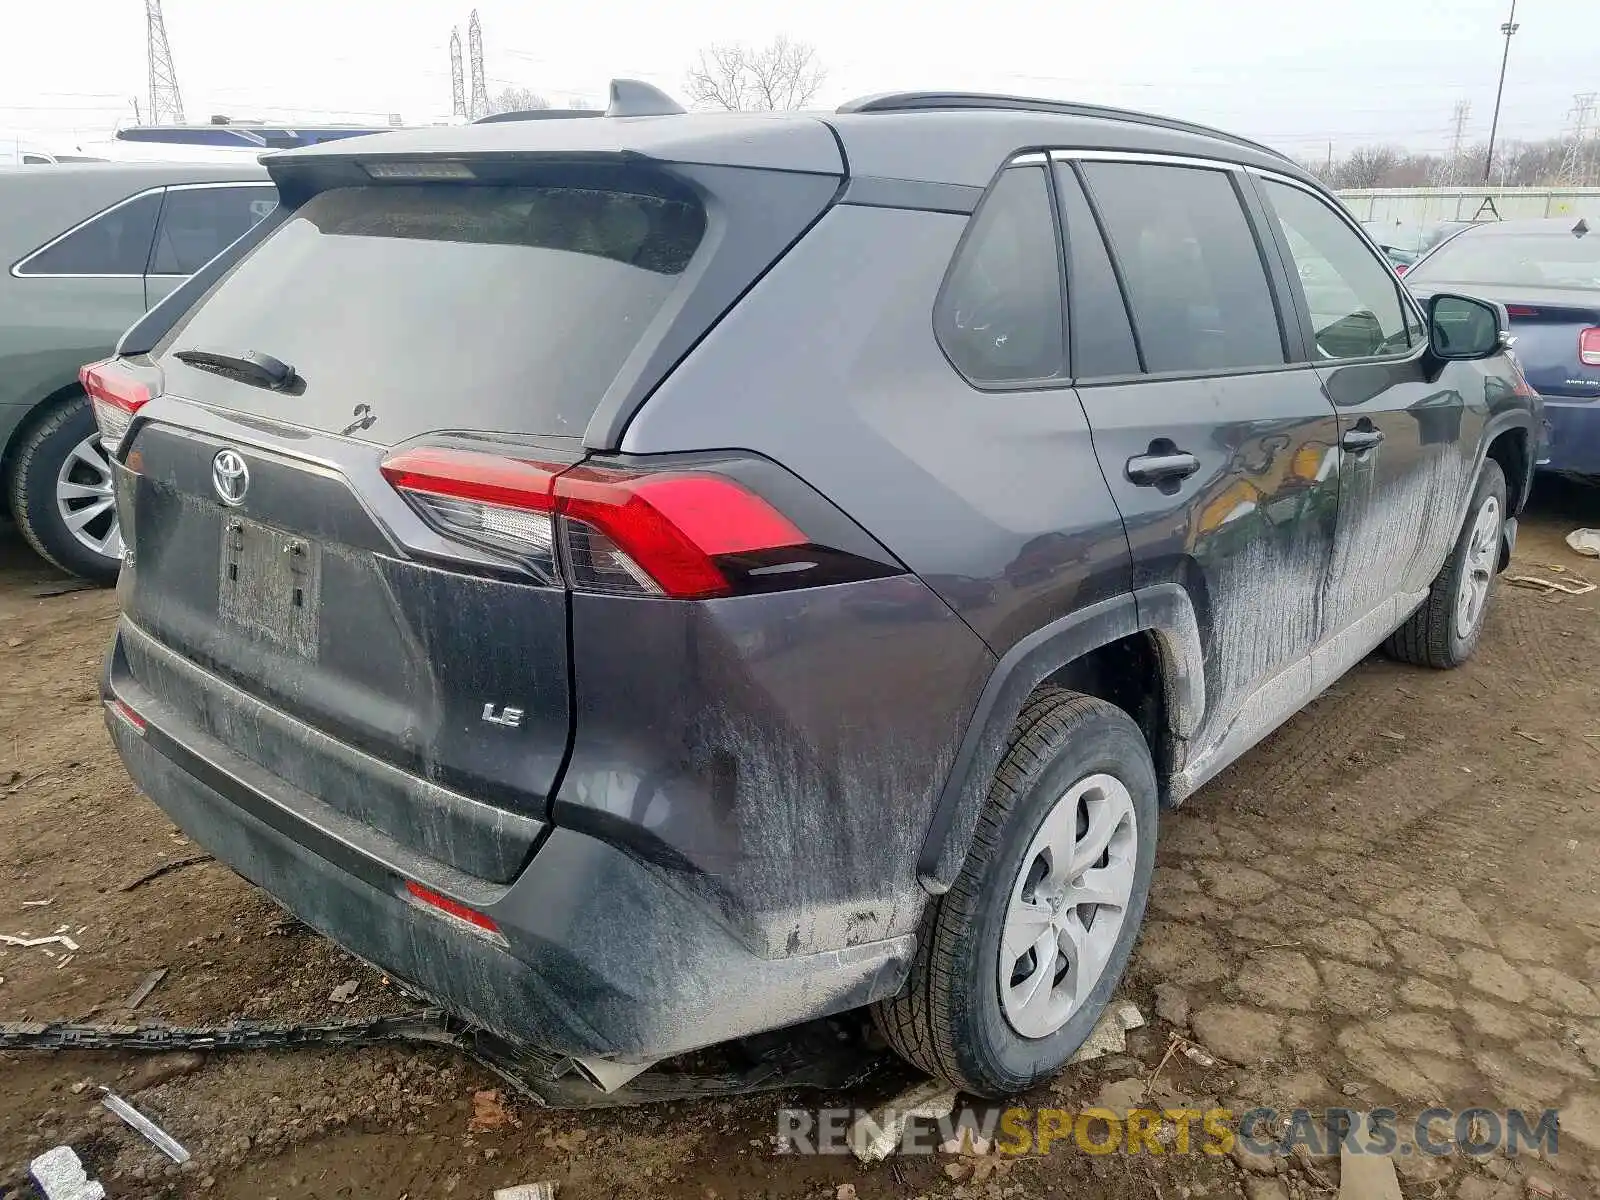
column 653, row 579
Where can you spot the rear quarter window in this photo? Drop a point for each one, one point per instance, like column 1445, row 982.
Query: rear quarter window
column 502, row 308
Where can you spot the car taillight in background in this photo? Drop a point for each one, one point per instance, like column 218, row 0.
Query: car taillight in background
column 682, row 533
column 1400, row 268
column 116, row 396
column 1589, row 346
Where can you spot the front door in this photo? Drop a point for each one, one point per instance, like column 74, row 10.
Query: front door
column 1221, row 451
column 1408, row 433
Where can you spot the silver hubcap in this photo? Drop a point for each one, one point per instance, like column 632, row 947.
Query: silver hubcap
column 1068, row 906
column 85, row 501
column 1483, row 549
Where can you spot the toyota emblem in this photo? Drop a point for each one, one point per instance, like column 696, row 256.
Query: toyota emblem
column 230, row 476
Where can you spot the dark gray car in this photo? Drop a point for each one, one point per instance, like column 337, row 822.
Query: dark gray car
column 87, row 250
column 648, row 580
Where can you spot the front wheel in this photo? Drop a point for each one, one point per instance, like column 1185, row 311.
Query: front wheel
column 1445, row 630
column 1020, row 957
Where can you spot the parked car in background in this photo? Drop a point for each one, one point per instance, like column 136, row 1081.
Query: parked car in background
column 874, row 519
column 87, row 250
column 1547, row 274
column 1385, row 236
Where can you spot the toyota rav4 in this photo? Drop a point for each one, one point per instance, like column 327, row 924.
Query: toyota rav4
column 652, row 579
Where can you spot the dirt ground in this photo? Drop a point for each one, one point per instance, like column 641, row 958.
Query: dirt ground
column 1390, row 902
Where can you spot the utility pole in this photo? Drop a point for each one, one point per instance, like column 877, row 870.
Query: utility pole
column 458, row 86
column 1509, row 28
column 1575, row 162
column 166, row 105
column 480, row 87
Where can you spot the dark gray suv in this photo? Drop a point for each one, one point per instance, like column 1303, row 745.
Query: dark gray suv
column 652, row 579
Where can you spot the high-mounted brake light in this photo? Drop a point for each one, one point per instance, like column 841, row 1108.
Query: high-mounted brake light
column 116, row 396
column 634, row 532
column 1521, row 310
column 1589, row 347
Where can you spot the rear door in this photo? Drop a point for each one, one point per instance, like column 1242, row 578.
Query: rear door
column 1219, row 448
column 1408, row 432
column 197, row 222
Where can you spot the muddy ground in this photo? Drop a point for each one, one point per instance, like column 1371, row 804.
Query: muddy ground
column 1390, row 902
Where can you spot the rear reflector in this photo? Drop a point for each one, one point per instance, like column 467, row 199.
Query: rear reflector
column 127, row 716
column 116, row 396
column 1589, row 347
column 626, row 531
column 450, row 908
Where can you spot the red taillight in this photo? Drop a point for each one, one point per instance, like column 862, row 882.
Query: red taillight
column 451, row 908
column 116, row 396
column 626, row 531
column 126, row 715
column 1589, row 347
column 1400, row 268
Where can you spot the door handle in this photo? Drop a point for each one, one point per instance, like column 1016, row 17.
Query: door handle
column 1148, row 469
column 1357, row 440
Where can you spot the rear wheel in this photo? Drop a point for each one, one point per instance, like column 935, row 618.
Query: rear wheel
column 59, row 486
column 1445, row 630
column 1020, row 957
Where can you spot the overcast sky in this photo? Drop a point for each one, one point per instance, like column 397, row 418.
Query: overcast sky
column 1296, row 75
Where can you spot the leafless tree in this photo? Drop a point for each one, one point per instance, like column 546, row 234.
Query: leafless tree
column 1516, row 164
column 517, row 99
column 780, row 75
column 1366, row 167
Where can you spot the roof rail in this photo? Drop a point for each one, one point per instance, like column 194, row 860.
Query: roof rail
column 538, row 114
column 930, row 101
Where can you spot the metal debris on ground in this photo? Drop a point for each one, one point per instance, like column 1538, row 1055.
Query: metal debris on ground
column 38, row 903
column 875, row 1135
column 1110, row 1033
column 63, row 588
column 25, row 942
column 146, row 986
column 1585, row 542
column 165, row 868
column 61, row 1176
column 543, row 1190
column 345, row 992
column 153, row 1133
column 1540, row 584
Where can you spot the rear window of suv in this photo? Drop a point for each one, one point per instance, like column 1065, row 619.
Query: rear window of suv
column 501, row 308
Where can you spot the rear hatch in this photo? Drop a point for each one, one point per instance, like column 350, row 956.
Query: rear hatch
column 285, row 605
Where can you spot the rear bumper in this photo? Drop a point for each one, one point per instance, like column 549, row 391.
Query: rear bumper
column 1574, row 434
column 602, row 955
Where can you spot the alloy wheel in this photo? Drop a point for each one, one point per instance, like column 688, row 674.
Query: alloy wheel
column 1483, row 547
column 84, row 498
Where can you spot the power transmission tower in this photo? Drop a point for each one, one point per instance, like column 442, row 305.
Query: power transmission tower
column 166, row 105
column 480, row 86
column 1451, row 171
column 1575, row 163
column 458, row 87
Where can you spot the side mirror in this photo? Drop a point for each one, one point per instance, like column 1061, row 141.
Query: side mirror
column 1463, row 327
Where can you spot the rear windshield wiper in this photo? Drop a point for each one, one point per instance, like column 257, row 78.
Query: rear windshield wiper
column 250, row 367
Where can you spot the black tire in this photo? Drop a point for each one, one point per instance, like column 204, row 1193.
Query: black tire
column 948, row 1020
column 1431, row 636
column 31, row 489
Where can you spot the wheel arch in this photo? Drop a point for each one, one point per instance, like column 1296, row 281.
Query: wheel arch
column 1139, row 650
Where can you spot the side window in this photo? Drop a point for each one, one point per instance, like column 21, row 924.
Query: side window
column 1194, row 273
column 1102, row 337
column 1353, row 296
column 197, row 224
column 117, row 242
column 999, row 316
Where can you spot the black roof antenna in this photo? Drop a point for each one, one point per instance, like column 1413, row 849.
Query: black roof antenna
column 633, row 98
column 1581, row 228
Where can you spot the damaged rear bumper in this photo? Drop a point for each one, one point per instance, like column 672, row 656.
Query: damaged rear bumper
column 598, row 957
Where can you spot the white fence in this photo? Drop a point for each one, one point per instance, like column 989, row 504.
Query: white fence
column 1406, row 213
